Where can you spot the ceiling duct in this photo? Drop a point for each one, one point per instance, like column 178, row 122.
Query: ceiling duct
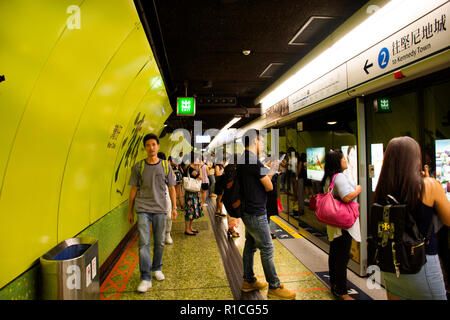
column 314, row 30
column 271, row 70
column 207, row 84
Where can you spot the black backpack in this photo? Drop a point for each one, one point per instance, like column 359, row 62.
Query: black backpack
column 232, row 199
column 178, row 175
column 395, row 243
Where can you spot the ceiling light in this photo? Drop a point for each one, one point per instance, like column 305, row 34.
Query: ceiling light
column 231, row 123
column 332, row 123
column 223, row 133
column 246, row 52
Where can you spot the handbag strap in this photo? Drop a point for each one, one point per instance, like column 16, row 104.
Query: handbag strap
column 330, row 188
column 390, row 199
column 188, row 172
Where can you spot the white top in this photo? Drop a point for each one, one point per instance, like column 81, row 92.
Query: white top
column 293, row 164
column 342, row 187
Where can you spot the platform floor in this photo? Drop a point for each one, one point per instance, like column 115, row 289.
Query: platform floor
column 208, row 266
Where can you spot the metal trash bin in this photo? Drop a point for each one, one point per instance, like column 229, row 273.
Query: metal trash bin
column 70, row 270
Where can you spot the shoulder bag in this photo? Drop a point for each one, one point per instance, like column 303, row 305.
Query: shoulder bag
column 191, row 184
column 334, row 212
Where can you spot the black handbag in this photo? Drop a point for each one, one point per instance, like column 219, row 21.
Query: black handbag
column 395, row 243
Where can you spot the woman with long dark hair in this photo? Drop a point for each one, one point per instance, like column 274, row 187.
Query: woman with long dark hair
column 340, row 239
column 218, row 188
column 402, row 177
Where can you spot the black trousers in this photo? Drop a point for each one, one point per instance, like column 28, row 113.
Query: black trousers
column 337, row 262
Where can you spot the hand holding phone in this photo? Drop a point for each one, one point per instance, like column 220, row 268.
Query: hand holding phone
column 282, row 157
column 274, row 167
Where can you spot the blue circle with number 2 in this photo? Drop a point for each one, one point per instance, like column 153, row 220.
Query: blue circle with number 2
column 383, row 58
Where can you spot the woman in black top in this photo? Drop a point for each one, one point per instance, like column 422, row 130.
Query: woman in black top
column 179, row 179
column 402, row 177
column 218, row 188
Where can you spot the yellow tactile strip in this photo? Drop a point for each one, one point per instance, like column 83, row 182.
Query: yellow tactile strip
column 283, row 225
column 292, row 273
column 194, row 270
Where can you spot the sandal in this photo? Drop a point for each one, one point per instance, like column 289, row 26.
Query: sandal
column 233, row 234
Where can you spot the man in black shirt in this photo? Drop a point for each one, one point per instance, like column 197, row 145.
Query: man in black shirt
column 255, row 182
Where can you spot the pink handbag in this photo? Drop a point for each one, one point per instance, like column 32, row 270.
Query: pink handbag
column 334, row 212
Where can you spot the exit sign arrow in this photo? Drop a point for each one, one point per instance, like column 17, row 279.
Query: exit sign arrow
column 367, row 66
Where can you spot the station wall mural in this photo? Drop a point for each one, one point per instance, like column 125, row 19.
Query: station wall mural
column 80, row 89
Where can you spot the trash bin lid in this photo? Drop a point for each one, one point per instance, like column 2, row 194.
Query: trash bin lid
column 72, row 252
column 69, row 249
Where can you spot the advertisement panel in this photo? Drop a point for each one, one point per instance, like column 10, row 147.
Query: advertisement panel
column 315, row 158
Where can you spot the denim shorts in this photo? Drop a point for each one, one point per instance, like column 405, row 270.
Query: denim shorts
column 427, row 284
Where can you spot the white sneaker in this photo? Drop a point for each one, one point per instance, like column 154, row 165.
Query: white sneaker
column 168, row 238
column 144, row 286
column 159, row 276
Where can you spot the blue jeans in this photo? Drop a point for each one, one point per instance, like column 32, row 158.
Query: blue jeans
column 257, row 236
column 212, row 181
column 158, row 221
column 427, row 284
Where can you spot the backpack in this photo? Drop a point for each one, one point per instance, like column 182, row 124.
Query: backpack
column 178, row 175
column 395, row 243
column 142, row 167
column 232, row 199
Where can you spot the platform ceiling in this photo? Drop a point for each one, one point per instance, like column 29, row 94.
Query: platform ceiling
column 199, row 43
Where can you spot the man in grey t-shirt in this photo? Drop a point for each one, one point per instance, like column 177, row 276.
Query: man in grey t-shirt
column 148, row 182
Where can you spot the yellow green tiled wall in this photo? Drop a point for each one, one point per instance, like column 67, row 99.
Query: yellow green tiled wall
column 109, row 231
column 75, row 105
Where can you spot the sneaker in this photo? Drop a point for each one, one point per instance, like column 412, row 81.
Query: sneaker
column 159, row 276
column 248, row 287
column 168, row 239
column 144, row 286
column 281, row 293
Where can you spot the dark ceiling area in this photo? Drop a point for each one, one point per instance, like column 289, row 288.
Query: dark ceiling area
column 199, row 48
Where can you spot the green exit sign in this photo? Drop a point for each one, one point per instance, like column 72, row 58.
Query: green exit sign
column 383, row 105
column 186, row 106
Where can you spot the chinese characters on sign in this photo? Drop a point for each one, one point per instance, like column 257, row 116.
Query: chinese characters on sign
column 415, row 37
column 420, row 39
column 114, row 135
column 186, row 106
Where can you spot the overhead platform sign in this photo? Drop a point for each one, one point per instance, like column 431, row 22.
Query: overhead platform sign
column 185, row 106
column 330, row 84
column 424, row 37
